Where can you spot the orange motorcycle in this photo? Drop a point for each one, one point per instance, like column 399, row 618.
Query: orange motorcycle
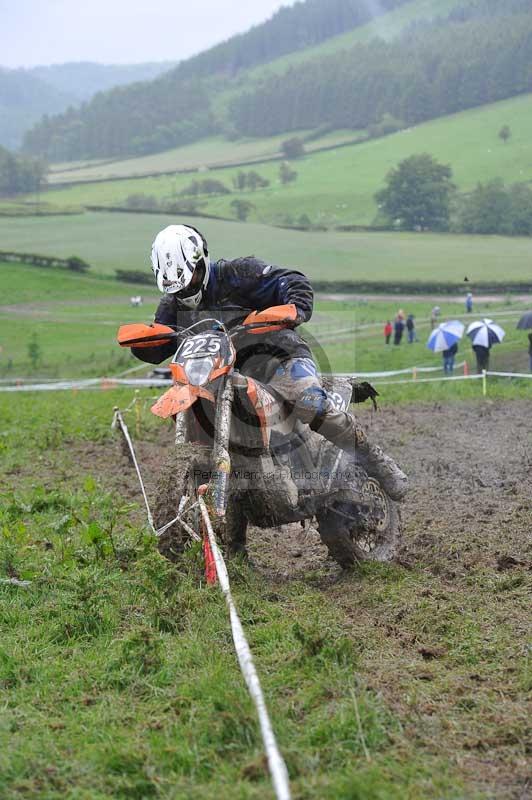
column 262, row 465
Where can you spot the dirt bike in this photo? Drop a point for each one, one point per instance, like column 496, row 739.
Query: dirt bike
column 262, row 465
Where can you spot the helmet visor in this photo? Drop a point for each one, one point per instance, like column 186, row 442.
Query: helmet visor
column 196, row 283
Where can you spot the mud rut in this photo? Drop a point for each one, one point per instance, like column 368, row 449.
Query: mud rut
column 469, row 504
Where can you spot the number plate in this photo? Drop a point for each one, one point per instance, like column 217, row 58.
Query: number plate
column 199, row 347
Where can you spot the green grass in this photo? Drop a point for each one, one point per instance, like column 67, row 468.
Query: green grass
column 338, row 186
column 209, row 152
column 110, row 241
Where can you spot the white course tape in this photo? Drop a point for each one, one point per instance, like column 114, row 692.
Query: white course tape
column 389, row 373
column 510, row 374
column 276, row 762
column 139, row 383
column 431, row 380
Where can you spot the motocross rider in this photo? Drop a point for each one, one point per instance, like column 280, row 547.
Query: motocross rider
column 191, row 286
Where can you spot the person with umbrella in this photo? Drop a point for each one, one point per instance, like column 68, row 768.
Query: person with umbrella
column 444, row 339
column 524, row 324
column 484, row 334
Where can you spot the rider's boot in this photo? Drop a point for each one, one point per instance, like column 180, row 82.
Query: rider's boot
column 342, row 429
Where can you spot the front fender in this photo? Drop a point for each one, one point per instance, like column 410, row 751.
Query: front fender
column 178, row 399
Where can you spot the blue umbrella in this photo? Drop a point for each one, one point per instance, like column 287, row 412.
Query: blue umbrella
column 445, row 335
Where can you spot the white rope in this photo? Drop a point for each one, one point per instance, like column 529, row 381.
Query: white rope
column 118, row 421
column 15, row 582
column 276, row 763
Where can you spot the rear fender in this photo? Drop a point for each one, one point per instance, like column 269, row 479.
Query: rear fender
column 179, row 399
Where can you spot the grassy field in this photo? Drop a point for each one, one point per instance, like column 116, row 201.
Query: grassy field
column 338, row 186
column 110, row 241
column 204, row 154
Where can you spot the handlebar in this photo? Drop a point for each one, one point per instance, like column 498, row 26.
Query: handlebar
column 271, row 319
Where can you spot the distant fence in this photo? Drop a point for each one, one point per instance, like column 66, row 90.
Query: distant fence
column 72, row 263
column 419, row 287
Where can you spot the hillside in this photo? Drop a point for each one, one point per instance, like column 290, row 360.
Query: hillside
column 338, row 186
column 27, row 94
column 476, row 54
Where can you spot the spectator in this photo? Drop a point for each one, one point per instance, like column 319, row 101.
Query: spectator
column 411, row 328
column 530, row 351
column 399, row 327
column 434, row 314
column 483, row 357
column 388, row 329
column 448, row 358
column 469, row 302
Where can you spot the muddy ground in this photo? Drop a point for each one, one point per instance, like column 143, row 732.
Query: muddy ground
column 470, row 498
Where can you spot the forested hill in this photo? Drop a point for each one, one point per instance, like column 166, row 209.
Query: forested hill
column 23, row 100
column 480, row 53
column 292, row 28
column 151, row 116
column 81, row 80
column 429, row 72
column 27, row 94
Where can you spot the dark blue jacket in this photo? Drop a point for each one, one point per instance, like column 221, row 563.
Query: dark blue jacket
column 234, row 289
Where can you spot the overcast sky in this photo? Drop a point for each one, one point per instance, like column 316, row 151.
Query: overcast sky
column 120, row 31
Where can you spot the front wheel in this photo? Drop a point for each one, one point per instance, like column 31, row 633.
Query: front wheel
column 353, row 535
column 177, row 477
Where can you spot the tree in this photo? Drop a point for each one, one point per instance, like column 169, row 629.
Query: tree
column 242, row 209
column 286, row 173
column 418, row 194
column 293, row 148
column 494, row 208
column 505, row 133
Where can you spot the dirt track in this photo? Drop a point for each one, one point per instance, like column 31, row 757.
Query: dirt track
column 470, row 468
column 469, row 503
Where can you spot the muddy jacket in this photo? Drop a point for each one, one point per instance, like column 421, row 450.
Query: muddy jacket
column 235, row 288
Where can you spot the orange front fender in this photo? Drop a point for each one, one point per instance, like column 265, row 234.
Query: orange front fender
column 178, row 399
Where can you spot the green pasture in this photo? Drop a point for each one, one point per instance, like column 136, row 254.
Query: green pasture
column 110, row 241
column 204, row 154
column 74, row 319
column 338, row 186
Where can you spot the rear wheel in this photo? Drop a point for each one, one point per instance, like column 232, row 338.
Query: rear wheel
column 353, row 535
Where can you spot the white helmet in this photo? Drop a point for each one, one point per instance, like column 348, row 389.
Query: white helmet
column 180, row 262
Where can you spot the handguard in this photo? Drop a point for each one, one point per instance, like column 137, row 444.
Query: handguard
column 275, row 317
column 138, row 334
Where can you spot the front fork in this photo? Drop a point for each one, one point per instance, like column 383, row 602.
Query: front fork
column 222, row 459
